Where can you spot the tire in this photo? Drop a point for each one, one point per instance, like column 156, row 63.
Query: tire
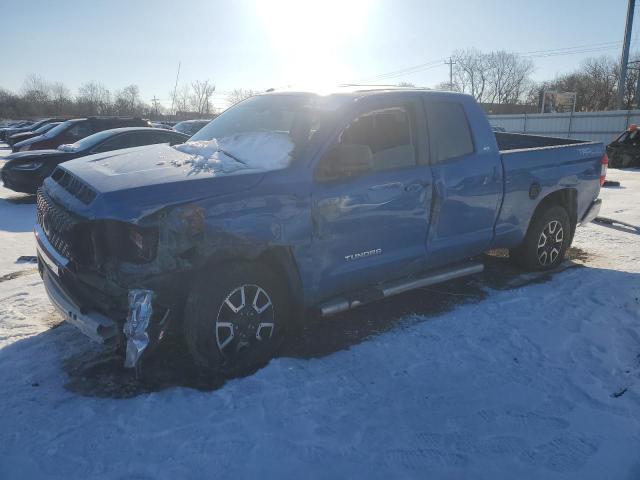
column 547, row 240
column 227, row 318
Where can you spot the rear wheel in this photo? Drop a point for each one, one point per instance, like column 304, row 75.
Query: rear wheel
column 236, row 320
column 546, row 242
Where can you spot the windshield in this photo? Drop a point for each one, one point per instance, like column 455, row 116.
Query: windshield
column 59, row 128
column 190, row 127
column 291, row 115
column 46, row 126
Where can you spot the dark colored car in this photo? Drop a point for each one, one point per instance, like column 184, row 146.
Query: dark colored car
column 190, row 127
column 73, row 130
column 11, row 128
column 20, row 137
column 25, row 171
column 29, row 128
column 624, row 151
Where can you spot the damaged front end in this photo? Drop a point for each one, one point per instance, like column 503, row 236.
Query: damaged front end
column 108, row 279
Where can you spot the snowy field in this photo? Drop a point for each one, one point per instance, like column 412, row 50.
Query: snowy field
column 506, row 375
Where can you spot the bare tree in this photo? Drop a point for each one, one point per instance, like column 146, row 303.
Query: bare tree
column 201, row 96
column 127, row 101
column 471, row 73
column 239, row 94
column 595, row 84
column 495, row 77
column 36, row 95
column 94, row 99
column 181, row 101
column 406, row 84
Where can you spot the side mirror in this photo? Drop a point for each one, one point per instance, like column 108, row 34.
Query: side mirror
column 345, row 161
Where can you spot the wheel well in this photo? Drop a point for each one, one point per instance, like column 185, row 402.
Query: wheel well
column 278, row 258
column 566, row 198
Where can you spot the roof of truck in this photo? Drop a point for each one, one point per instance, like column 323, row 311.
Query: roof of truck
column 359, row 90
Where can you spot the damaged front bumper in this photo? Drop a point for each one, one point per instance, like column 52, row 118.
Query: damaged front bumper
column 138, row 330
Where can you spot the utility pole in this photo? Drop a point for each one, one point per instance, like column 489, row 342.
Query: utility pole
column 451, row 63
column 625, row 54
column 155, row 103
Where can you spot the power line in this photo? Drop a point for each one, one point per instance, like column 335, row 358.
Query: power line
column 552, row 52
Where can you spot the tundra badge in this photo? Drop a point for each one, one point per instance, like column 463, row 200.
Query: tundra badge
column 357, row 256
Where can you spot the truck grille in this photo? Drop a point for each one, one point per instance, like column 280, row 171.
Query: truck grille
column 57, row 224
column 74, row 186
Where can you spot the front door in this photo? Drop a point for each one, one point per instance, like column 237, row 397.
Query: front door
column 372, row 225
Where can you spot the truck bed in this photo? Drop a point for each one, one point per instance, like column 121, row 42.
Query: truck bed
column 546, row 163
column 519, row 141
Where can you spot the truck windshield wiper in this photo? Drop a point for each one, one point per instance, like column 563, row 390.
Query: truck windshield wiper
column 233, row 156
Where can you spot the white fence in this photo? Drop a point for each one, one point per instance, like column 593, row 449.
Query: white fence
column 597, row 126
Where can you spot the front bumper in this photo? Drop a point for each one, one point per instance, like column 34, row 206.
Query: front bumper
column 592, row 211
column 93, row 324
column 140, row 333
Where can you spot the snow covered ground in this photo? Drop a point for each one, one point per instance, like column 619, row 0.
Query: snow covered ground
column 528, row 378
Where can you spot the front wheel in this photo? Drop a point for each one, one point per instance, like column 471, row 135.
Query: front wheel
column 236, row 318
column 546, row 242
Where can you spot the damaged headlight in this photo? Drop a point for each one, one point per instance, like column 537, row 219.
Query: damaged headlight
column 125, row 241
column 143, row 243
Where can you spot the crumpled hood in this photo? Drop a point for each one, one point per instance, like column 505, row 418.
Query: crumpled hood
column 134, row 182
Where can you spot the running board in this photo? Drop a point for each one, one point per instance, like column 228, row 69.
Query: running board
column 438, row 276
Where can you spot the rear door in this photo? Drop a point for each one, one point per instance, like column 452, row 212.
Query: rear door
column 372, row 226
column 467, row 183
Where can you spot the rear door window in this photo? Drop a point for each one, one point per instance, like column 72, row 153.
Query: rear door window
column 123, row 140
column 449, row 132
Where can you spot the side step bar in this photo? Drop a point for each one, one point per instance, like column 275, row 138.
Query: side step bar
column 438, row 276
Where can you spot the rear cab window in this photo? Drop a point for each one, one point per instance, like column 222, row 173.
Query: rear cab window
column 449, row 130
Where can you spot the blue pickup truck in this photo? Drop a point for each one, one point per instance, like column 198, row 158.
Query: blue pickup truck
column 293, row 205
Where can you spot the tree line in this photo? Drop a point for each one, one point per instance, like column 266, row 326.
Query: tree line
column 41, row 98
column 497, row 77
column 505, row 78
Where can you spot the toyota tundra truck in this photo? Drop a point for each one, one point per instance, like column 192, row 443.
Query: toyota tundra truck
column 296, row 205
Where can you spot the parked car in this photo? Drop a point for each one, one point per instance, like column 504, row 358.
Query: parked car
column 4, row 130
column 293, row 205
column 73, row 130
column 190, row 127
column 25, row 171
column 624, row 151
column 19, row 137
column 34, row 126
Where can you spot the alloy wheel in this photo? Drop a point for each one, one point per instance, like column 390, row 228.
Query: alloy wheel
column 550, row 243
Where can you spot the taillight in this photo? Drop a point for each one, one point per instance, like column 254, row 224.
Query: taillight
column 603, row 169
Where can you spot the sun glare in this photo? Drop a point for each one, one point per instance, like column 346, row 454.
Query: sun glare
column 311, row 38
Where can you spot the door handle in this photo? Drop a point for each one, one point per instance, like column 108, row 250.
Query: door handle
column 417, row 186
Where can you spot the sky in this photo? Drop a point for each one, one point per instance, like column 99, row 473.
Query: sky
column 277, row 43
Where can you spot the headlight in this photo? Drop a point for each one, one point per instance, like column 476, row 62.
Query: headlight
column 32, row 165
column 26, row 148
column 142, row 244
column 123, row 241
